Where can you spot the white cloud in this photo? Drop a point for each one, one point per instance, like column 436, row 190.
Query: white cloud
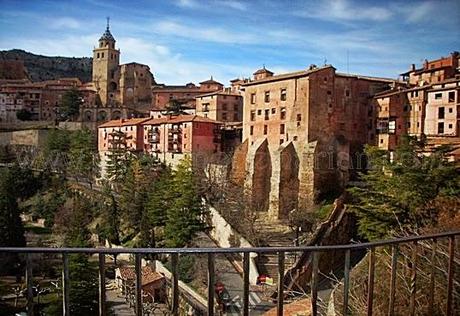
column 63, row 22
column 203, row 33
column 234, row 5
column 344, row 10
column 187, row 3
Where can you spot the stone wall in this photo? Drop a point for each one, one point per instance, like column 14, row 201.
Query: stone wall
column 259, row 169
column 33, row 137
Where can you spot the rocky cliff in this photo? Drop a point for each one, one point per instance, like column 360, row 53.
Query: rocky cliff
column 39, row 68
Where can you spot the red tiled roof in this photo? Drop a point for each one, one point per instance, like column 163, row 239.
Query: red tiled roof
column 148, row 275
column 123, row 122
column 180, row 119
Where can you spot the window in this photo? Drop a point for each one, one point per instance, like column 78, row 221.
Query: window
column 102, row 55
column 98, row 55
column 441, row 128
column 283, row 113
column 259, row 112
column 267, row 96
column 282, row 129
column 438, row 96
column 451, row 110
column 224, row 116
column 451, row 96
column 283, row 95
column 265, row 129
column 416, row 93
column 295, row 138
column 253, row 115
column 347, row 93
column 450, row 126
column 441, row 113
column 281, row 141
column 267, row 112
column 329, row 92
column 251, row 130
column 299, row 117
column 273, row 110
column 253, row 98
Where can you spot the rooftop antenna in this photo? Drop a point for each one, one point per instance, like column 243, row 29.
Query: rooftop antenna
column 325, row 61
column 348, row 62
column 108, row 22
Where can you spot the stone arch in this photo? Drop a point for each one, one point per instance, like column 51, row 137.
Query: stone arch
column 112, row 86
column 87, row 116
column 260, row 170
column 102, row 116
column 238, row 172
column 284, row 181
column 116, row 115
column 129, row 92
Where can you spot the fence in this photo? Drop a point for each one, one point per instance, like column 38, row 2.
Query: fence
column 212, row 252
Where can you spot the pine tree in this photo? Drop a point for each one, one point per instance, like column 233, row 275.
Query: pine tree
column 185, row 214
column 398, row 194
column 119, row 157
column 83, row 156
column 70, row 104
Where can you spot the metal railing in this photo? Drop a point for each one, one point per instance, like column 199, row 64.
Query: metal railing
column 280, row 295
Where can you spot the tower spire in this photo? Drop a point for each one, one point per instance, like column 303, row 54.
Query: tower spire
column 108, row 23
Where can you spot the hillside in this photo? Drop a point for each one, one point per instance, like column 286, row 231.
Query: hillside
column 39, row 68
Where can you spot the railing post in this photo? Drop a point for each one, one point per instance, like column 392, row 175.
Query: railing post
column 246, row 284
column 175, row 284
column 370, row 285
column 413, row 279
column 102, row 309
column 138, row 285
column 280, row 283
column 346, row 282
column 29, row 283
column 314, row 285
column 211, row 283
column 65, row 285
column 394, row 266
column 432, row 278
column 450, row 276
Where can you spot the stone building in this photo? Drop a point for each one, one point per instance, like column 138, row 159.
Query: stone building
column 301, row 131
column 224, row 106
column 426, row 107
column 433, row 71
column 122, row 90
column 172, row 138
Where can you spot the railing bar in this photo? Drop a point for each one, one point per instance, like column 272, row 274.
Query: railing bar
column 175, row 284
column 227, row 250
column 450, row 279
column 314, row 285
column 138, row 285
column 65, row 285
column 370, row 286
column 211, row 283
column 432, row 278
column 102, row 304
column 29, row 283
column 280, row 299
column 394, row 267
column 413, row 279
column 346, row 282
column 246, row 284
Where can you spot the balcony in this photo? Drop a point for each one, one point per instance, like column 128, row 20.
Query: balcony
column 416, row 244
column 153, row 137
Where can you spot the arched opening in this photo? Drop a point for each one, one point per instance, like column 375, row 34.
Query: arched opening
column 116, row 115
column 88, row 116
column 102, row 116
column 113, row 86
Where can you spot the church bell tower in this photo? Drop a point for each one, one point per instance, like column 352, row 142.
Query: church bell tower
column 105, row 64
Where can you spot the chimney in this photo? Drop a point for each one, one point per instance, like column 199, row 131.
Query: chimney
column 412, row 67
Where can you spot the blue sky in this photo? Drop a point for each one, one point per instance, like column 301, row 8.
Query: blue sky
column 190, row 40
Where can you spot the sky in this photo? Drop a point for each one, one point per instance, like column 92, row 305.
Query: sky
column 190, row 40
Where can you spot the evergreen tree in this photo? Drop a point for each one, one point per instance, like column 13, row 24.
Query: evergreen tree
column 70, row 104
column 83, row 155
column 24, row 115
column 398, row 193
column 119, row 157
column 55, row 150
column 174, row 107
column 110, row 215
column 185, row 214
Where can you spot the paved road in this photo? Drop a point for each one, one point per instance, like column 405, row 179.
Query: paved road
column 233, row 282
